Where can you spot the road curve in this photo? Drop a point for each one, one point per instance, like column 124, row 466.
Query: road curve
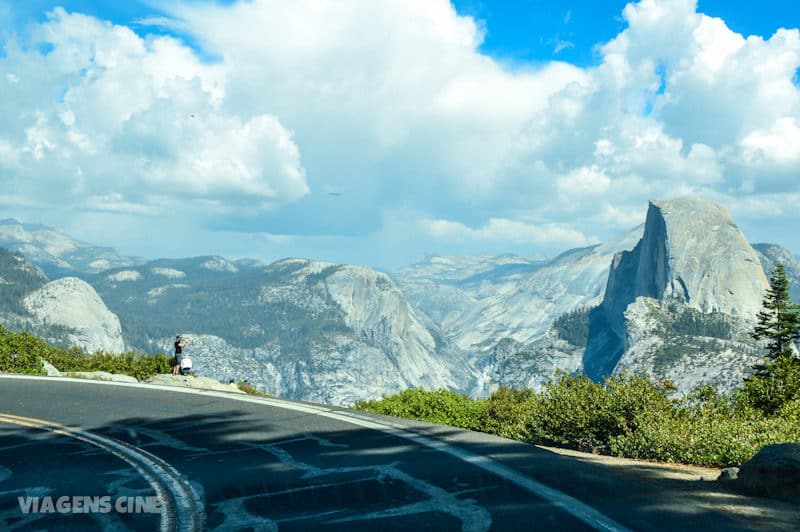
column 268, row 464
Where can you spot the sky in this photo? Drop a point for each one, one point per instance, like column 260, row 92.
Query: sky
column 378, row 132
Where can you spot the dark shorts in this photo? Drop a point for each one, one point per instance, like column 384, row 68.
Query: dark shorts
column 176, row 360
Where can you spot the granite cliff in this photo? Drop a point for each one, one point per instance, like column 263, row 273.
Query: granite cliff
column 684, row 297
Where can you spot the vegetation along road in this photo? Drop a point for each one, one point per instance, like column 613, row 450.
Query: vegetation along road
column 222, row 462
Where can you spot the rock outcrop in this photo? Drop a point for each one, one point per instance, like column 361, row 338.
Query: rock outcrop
column 693, row 251
column 197, row 383
column 691, row 256
column 74, row 304
column 101, row 376
column 773, row 472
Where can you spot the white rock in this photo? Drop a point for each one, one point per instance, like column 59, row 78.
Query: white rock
column 198, row 383
column 73, row 303
column 125, row 275
column 691, row 256
column 218, row 264
column 169, row 272
column 102, row 376
column 51, row 370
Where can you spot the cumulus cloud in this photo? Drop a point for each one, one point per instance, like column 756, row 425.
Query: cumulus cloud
column 110, row 120
column 393, row 102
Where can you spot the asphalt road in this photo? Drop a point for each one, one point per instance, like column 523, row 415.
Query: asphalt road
column 212, row 461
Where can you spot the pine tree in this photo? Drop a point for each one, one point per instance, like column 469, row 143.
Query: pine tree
column 779, row 319
column 776, row 382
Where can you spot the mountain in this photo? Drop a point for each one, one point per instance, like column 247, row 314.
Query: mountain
column 501, row 310
column 674, row 299
column 56, row 253
column 73, row 304
column 680, row 305
column 452, row 290
column 66, row 311
column 296, row 328
column 770, row 255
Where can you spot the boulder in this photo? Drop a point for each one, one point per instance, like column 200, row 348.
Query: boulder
column 773, row 472
column 74, row 304
column 51, row 370
column 199, row 383
column 101, row 376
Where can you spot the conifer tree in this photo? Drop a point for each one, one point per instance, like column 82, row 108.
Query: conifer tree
column 779, row 319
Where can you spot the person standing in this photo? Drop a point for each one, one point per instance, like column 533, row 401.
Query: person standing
column 180, row 343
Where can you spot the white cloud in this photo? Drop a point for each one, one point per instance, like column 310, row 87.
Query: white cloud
column 584, row 181
column 504, row 230
column 109, row 114
column 780, row 143
column 392, row 102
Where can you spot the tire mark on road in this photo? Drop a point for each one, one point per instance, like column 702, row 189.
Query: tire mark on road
column 182, row 508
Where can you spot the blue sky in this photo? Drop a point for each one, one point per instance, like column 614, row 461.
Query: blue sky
column 378, row 132
column 517, row 31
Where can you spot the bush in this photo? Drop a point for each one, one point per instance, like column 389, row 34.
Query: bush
column 775, row 383
column 440, row 406
column 249, row 389
column 575, row 412
column 22, row 353
column 626, row 416
column 133, row 364
column 508, row 413
column 708, row 429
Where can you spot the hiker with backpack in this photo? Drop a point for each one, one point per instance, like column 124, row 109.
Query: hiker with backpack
column 180, row 343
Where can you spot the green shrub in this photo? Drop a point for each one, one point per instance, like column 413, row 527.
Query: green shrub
column 709, row 430
column 22, row 353
column 775, row 383
column 134, row 364
column 508, row 413
column 575, row 412
column 440, row 406
column 627, row 416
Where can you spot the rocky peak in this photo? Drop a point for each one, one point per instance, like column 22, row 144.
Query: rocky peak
column 74, row 304
column 693, row 251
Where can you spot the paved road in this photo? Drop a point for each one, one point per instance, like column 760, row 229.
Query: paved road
column 217, row 462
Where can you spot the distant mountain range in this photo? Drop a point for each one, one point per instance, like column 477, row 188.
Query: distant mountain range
column 673, row 299
column 57, row 253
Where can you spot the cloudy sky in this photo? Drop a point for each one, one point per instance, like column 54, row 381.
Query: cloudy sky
column 375, row 132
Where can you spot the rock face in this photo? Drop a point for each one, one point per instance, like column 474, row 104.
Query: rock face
column 517, row 300
column 770, row 255
column 296, row 328
column 74, row 304
column 500, row 310
column 693, row 251
column 691, row 256
column 377, row 310
column 774, row 472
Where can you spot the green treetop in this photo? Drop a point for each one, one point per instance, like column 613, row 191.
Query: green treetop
column 779, row 319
